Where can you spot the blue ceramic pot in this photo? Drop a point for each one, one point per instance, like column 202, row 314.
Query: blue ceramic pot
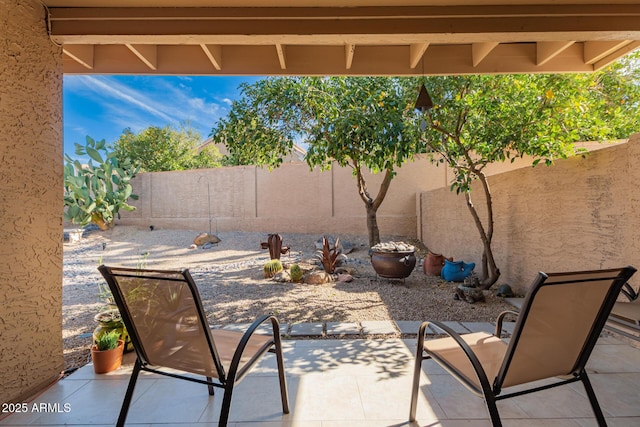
column 456, row 271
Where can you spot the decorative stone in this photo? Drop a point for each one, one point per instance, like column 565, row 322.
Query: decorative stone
column 282, row 277
column 469, row 294
column 317, row 278
column 345, row 278
column 203, row 238
column 193, row 246
column 346, row 270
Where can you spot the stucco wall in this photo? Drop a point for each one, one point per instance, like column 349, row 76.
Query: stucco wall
column 30, row 201
column 577, row 214
column 290, row 198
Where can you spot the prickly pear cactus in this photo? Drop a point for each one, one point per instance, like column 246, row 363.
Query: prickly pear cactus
column 272, row 267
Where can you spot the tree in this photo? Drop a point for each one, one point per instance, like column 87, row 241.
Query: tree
column 361, row 123
column 478, row 120
column 96, row 193
column 163, row 149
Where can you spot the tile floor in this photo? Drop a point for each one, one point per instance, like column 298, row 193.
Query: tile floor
column 339, row 383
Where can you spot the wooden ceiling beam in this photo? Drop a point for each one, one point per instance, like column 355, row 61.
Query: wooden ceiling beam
column 479, row 51
column 607, row 60
column 546, row 51
column 214, row 53
column 148, row 54
column 416, row 52
column 594, row 51
column 349, row 51
column 282, row 59
column 82, row 54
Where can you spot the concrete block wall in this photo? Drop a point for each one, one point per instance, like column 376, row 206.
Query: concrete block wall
column 291, row 198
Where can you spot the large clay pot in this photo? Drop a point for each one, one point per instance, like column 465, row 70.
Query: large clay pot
column 393, row 265
column 433, row 263
column 107, row 360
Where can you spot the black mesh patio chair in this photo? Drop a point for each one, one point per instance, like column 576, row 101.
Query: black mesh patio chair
column 557, row 328
column 163, row 314
column 625, row 315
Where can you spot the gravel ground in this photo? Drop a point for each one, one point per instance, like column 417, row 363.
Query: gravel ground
column 233, row 289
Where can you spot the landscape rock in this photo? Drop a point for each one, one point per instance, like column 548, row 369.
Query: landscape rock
column 282, row 276
column 345, row 278
column 317, row 278
column 346, row 270
column 203, row 238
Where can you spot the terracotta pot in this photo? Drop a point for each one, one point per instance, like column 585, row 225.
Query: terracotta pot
column 433, row 263
column 107, row 360
column 393, row 265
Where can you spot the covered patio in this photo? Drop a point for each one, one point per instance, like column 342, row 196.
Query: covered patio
column 333, row 382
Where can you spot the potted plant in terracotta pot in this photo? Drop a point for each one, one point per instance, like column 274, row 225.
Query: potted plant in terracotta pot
column 106, row 353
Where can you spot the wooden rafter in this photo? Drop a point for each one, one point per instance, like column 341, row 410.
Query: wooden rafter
column 82, row 54
column 148, row 54
column 214, row 53
column 349, row 51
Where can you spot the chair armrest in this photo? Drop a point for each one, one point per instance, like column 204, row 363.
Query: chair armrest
column 237, row 355
column 629, row 292
column 475, row 363
column 499, row 320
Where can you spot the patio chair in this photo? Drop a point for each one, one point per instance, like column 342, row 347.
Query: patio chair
column 558, row 326
column 163, row 314
column 625, row 315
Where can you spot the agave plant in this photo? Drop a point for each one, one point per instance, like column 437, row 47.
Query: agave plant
column 329, row 256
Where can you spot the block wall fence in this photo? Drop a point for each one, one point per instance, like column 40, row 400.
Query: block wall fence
column 289, row 199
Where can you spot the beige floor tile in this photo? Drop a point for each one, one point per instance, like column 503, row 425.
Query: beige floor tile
column 170, row 400
column 98, row 400
column 278, row 424
column 367, row 423
column 327, row 398
column 459, row 403
column 390, row 398
column 618, row 394
column 614, row 358
column 560, row 402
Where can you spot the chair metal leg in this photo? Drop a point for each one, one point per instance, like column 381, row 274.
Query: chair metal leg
column 129, row 394
column 211, row 391
column 284, row 394
column 593, row 400
column 490, row 401
column 417, row 368
column 226, row 405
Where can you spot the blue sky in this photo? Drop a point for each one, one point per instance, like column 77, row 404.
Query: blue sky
column 102, row 106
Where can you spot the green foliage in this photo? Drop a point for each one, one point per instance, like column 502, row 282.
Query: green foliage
column 96, row 193
column 363, row 123
column 108, row 341
column 296, row 273
column 478, row 120
column 272, row 267
column 164, row 149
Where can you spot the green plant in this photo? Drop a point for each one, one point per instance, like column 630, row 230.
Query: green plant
column 96, row 193
column 296, row 273
column 272, row 267
column 108, row 341
column 329, row 256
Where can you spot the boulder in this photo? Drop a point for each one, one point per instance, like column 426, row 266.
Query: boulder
column 317, row 278
column 203, row 238
column 345, row 278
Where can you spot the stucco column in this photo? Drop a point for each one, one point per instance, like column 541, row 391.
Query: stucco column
column 30, row 201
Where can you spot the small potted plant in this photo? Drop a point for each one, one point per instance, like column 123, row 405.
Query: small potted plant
column 106, row 353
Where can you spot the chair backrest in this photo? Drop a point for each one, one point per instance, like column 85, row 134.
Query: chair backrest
column 559, row 323
column 163, row 314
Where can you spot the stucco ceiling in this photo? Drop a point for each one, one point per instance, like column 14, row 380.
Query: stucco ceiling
column 342, row 37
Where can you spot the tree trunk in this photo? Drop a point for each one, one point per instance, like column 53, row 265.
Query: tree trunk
column 490, row 272
column 372, row 226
